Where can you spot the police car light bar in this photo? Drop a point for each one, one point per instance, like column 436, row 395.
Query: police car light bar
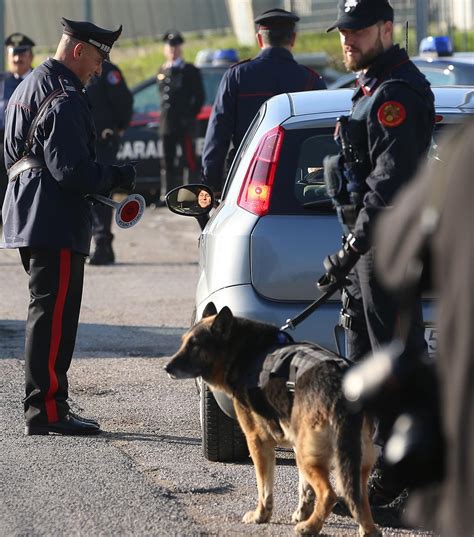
column 440, row 45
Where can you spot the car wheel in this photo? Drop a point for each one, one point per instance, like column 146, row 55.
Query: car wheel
column 222, row 438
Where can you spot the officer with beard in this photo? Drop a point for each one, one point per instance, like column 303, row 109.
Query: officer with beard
column 382, row 142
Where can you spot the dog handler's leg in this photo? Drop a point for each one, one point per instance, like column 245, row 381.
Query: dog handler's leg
column 262, row 452
column 306, row 500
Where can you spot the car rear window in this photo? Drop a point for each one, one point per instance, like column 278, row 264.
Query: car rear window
column 299, row 183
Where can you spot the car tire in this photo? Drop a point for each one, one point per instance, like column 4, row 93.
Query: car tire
column 222, row 437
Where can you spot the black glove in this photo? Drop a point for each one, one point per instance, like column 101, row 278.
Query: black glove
column 339, row 265
column 124, row 177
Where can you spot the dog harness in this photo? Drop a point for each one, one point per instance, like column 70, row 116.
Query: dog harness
column 288, row 360
column 292, row 360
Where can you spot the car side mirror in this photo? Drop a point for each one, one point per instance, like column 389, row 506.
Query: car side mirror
column 190, row 200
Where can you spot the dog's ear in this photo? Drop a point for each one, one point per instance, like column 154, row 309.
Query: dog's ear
column 222, row 324
column 209, row 310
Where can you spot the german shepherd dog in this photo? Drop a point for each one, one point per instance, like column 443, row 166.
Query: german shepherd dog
column 313, row 420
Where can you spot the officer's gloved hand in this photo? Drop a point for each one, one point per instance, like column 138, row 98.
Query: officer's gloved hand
column 339, row 265
column 124, row 177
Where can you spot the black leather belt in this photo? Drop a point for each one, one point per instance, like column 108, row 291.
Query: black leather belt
column 26, row 163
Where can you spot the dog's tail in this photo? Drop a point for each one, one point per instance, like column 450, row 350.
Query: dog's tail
column 349, row 456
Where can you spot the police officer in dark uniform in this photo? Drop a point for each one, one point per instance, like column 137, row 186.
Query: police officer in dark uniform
column 247, row 85
column 382, row 142
column 20, row 58
column 431, row 223
column 182, row 96
column 112, row 107
column 50, row 158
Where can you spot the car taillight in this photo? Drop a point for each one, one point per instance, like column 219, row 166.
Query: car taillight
column 257, row 187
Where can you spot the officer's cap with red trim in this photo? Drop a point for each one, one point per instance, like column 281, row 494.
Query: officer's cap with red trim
column 276, row 17
column 358, row 14
column 90, row 33
column 18, row 43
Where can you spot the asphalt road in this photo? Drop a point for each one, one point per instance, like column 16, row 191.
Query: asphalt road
column 146, row 474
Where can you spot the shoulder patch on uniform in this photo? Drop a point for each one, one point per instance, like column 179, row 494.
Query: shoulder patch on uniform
column 114, row 77
column 66, row 85
column 391, row 114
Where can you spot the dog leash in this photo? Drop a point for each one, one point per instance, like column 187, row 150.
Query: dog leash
column 295, row 321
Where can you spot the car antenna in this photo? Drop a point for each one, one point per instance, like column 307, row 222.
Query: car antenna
column 406, row 35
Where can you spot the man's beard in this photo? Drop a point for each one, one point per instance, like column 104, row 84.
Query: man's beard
column 364, row 60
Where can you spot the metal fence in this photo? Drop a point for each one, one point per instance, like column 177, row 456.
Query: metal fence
column 40, row 19
column 151, row 18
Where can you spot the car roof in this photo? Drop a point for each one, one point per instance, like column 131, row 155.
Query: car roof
column 456, row 98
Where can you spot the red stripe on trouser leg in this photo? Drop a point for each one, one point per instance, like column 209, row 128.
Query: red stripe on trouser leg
column 56, row 332
column 189, row 153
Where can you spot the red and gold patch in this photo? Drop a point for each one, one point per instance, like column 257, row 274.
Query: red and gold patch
column 392, row 114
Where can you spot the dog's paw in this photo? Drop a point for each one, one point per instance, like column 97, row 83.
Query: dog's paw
column 256, row 517
column 303, row 528
column 302, row 513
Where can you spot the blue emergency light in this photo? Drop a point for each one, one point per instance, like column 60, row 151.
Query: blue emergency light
column 440, row 45
column 225, row 56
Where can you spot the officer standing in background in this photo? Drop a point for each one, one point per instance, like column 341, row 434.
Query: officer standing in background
column 382, row 143
column 112, row 107
column 247, row 85
column 50, row 158
column 20, row 58
column 182, row 96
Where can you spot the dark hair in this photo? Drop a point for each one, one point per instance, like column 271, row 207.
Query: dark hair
column 278, row 35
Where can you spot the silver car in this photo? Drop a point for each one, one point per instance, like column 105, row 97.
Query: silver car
column 262, row 250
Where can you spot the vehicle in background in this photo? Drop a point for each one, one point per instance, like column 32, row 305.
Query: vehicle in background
column 436, row 60
column 263, row 248
column 141, row 140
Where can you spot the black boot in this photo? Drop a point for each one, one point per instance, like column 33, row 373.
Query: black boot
column 103, row 254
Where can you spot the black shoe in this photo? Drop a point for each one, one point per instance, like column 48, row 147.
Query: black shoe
column 103, row 255
column 69, row 425
column 85, row 420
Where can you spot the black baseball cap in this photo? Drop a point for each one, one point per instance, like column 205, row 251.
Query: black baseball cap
column 173, row 38
column 90, row 33
column 358, row 14
column 19, row 43
column 276, row 16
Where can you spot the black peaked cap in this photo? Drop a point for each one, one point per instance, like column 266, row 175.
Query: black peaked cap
column 276, row 16
column 90, row 33
column 358, row 14
column 173, row 37
column 19, row 42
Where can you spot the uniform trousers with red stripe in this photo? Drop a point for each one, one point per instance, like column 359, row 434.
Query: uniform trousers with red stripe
column 55, row 284
column 170, row 142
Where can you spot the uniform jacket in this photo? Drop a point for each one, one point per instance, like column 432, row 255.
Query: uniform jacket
column 395, row 106
column 111, row 100
column 444, row 188
column 242, row 91
column 46, row 207
column 8, row 84
column 182, row 95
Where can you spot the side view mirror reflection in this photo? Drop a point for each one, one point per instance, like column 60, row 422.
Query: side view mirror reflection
column 190, row 200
